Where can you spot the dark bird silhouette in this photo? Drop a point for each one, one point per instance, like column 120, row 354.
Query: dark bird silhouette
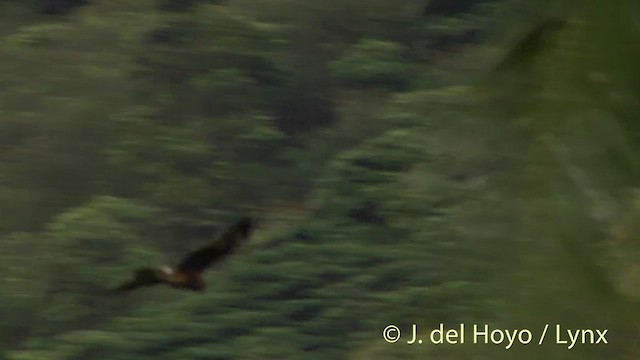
column 532, row 43
column 188, row 273
column 451, row 7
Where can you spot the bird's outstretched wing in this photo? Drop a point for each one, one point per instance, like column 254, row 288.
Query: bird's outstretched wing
column 450, row 7
column 224, row 245
column 143, row 277
column 532, row 43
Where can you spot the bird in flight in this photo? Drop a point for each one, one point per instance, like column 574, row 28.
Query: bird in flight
column 187, row 275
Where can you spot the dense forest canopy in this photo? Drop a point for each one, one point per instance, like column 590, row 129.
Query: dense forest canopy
column 409, row 162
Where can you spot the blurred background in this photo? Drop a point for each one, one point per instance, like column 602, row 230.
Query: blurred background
column 410, row 162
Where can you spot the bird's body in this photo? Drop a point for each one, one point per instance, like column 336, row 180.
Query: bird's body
column 182, row 280
column 188, row 274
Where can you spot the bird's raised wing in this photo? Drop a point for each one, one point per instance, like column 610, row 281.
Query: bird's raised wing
column 532, row 43
column 143, row 277
column 224, row 245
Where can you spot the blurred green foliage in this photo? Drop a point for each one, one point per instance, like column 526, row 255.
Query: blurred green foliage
column 399, row 173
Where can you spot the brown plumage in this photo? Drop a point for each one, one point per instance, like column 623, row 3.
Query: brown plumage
column 188, row 273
